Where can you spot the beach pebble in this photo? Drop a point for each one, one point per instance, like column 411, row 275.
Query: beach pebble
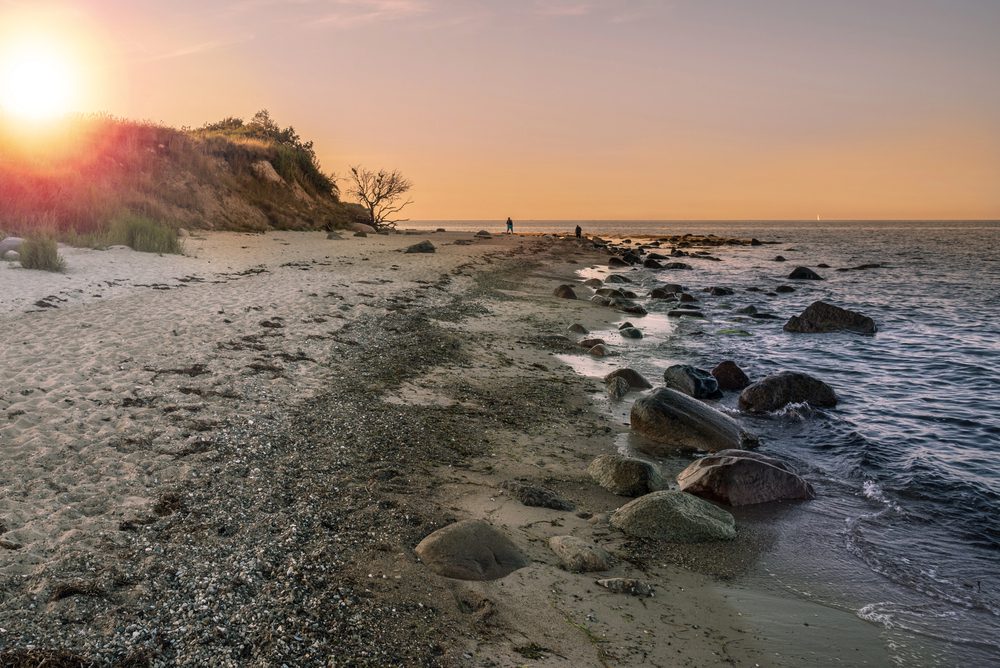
column 780, row 389
column 578, row 555
column 804, row 274
column 692, row 381
column 634, row 379
column 629, row 586
column 741, row 478
column 565, row 292
column 625, row 476
column 534, row 495
column 672, row 419
column 730, row 376
column 471, row 550
column 820, row 317
column 674, row 516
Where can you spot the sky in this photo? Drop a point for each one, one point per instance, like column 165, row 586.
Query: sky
column 580, row 109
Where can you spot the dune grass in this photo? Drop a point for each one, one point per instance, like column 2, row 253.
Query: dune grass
column 143, row 234
column 42, row 253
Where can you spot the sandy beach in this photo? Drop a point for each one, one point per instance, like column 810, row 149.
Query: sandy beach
column 228, row 457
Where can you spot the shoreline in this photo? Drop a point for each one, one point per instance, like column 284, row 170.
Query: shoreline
column 301, row 465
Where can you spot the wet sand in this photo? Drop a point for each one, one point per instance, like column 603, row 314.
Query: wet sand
column 227, row 458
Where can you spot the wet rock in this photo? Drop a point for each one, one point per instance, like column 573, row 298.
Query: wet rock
column 686, row 298
column 483, row 234
column 578, row 555
column 601, row 300
column 862, row 267
column 593, row 282
column 741, row 478
column 611, row 293
column 662, row 293
column 672, row 419
column 692, row 381
column 534, row 495
column 650, row 263
column 631, row 332
column 684, row 313
column 617, row 263
column 590, row 343
column 631, row 376
column 471, row 550
column 577, row 328
column 617, row 388
column 820, row 317
column 784, row 289
column 747, row 310
column 629, row 586
column 823, row 265
column 779, row 258
column 730, row 376
column 617, row 278
column 677, row 517
column 626, row 306
column 422, row 247
column 677, row 265
column 600, row 350
column 625, row 476
column 804, row 274
column 565, row 292
column 717, row 291
column 788, row 387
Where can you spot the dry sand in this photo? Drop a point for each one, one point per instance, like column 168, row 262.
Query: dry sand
column 227, row 457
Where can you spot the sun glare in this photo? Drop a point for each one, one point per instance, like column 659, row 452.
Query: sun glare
column 37, row 82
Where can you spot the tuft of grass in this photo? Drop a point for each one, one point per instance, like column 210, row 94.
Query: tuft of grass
column 143, row 234
column 41, row 253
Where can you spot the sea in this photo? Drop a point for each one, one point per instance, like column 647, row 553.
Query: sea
column 905, row 528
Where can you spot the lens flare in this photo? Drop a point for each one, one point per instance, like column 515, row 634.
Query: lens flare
column 37, row 81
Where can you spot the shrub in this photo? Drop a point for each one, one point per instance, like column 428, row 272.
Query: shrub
column 144, row 234
column 41, row 253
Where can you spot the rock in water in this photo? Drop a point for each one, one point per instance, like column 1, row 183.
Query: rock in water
column 631, row 332
column 820, row 317
column 617, row 262
column 565, row 292
column 677, row 517
column 741, row 478
column 422, row 247
column 804, row 274
column 625, row 476
column 533, row 495
column 670, row 418
column 730, row 376
column 692, row 381
column 631, row 376
column 617, row 388
column 788, row 387
column 650, row 263
column 617, row 278
column 471, row 550
column 578, row 555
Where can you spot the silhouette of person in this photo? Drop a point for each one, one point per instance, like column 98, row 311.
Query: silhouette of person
column 510, row 226
column 579, row 231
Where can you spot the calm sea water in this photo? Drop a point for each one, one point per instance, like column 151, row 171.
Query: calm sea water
column 906, row 527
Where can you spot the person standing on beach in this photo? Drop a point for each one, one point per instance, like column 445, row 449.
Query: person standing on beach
column 510, row 226
column 579, row 231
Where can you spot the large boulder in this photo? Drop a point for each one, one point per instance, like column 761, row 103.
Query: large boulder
column 617, row 388
column 804, row 274
column 617, row 278
column 788, row 387
column 633, row 377
column 741, row 478
column 471, row 550
column 692, row 381
column 616, row 262
column 670, row 418
column 730, row 376
column 579, row 555
column 10, row 244
column 820, row 317
column 625, row 476
column 565, row 292
column 673, row 516
column 361, row 227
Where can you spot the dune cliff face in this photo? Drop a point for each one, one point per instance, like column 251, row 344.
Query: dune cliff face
column 93, row 170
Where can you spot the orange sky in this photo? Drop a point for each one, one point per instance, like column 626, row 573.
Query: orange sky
column 589, row 109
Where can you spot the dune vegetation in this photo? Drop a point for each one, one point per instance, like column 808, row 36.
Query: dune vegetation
column 98, row 180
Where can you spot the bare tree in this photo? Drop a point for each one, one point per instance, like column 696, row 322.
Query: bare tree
column 380, row 192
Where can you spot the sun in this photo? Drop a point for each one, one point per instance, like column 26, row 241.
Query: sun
column 37, row 81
